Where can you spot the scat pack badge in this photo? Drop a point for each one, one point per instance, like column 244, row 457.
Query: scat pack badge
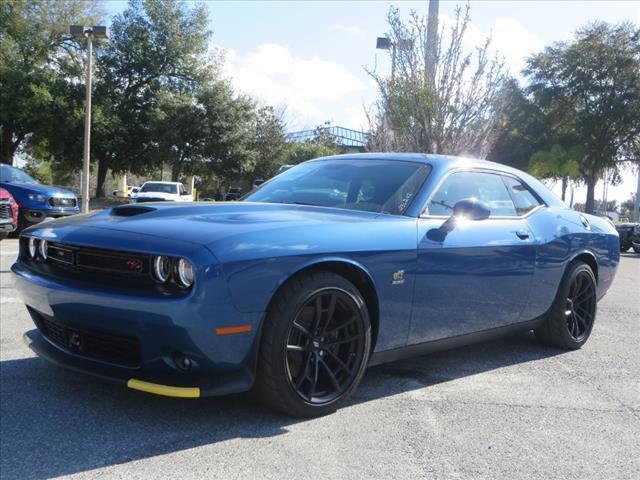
column 398, row 277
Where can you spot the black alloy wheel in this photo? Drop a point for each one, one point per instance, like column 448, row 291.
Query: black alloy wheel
column 325, row 346
column 581, row 306
column 315, row 345
column 571, row 318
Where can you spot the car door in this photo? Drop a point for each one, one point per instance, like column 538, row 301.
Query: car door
column 477, row 276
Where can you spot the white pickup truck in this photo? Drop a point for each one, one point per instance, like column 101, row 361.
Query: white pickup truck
column 162, row 192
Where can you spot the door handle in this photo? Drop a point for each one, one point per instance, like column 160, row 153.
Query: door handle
column 522, row 234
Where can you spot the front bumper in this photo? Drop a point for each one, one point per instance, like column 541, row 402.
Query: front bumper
column 163, row 328
column 36, row 215
column 228, row 384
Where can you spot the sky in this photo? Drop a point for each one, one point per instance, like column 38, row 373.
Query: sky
column 310, row 56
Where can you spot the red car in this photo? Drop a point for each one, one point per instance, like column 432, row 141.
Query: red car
column 8, row 214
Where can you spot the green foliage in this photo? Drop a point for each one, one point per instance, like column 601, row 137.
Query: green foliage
column 41, row 171
column 589, row 89
column 269, row 143
column 34, row 50
column 299, row 152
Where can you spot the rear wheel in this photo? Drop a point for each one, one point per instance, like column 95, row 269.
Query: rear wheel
column 573, row 313
column 636, row 249
column 3, row 235
column 315, row 345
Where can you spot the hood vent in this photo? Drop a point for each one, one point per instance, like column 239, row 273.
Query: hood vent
column 130, row 211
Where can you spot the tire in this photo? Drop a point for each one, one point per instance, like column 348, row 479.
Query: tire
column 573, row 313
column 636, row 249
column 3, row 235
column 309, row 365
column 624, row 248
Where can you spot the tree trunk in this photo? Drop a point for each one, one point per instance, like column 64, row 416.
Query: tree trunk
column 7, row 148
column 591, row 190
column 175, row 170
column 103, row 166
column 564, row 187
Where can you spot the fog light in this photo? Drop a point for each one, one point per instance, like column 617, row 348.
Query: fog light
column 185, row 273
column 182, row 361
column 33, row 247
column 162, row 268
column 43, row 248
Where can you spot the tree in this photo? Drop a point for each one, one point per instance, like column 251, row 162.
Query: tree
column 157, row 48
column 557, row 164
column 522, row 130
column 208, row 130
column 626, row 207
column 35, row 48
column 269, row 143
column 591, row 85
column 457, row 113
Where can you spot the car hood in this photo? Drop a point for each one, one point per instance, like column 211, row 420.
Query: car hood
column 22, row 189
column 208, row 223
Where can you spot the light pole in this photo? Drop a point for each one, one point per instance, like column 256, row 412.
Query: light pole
column 79, row 31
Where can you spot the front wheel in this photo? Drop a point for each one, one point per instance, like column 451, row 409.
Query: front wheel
column 573, row 312
column 315, row 345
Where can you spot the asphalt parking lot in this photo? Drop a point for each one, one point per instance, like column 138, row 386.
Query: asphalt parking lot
column 504, row 409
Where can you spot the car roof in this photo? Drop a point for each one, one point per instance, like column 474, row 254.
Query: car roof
column 160, row 181
column 447, row 161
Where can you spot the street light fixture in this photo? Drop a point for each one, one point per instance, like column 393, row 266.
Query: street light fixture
column 80, row 31
column 385, row 43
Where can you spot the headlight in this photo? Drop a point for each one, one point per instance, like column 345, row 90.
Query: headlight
column 36, row 197
column 162, row 268
column 43, row 248
column 33, row 247
column 185, row 273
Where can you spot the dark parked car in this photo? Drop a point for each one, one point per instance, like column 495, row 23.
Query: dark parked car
column 337, row 264
column 629, row 236
column 233, row 194
column 36, row 201
column 8, row 214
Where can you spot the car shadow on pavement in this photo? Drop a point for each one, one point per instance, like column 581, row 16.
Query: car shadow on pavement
column 53, row 422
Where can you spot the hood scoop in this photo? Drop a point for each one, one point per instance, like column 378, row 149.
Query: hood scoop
column 130, row 211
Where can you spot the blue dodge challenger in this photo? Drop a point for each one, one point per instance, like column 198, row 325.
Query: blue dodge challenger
column 339, row 263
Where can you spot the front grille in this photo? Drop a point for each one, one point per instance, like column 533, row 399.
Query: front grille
column 123, row 263
column 63, row 202
column 148, row 199
column 120, row 271
column 112, row 348
column 5, row 210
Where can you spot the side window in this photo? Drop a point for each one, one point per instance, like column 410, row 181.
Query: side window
column 487, row 187
column 523, row 199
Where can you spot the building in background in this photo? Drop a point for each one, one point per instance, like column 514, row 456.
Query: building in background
column 350, row 141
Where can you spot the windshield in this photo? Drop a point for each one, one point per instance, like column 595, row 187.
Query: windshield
column 159, row 187
column 371, row 185
column 11, row 174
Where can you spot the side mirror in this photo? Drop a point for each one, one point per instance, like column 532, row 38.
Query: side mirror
column 468, row 208
column 471, row 209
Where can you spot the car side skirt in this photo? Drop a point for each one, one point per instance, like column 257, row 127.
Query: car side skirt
column 386, row 356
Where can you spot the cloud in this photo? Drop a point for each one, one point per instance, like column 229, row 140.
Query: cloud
column 509, row 39
column 272, row 74
column 348, row 29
